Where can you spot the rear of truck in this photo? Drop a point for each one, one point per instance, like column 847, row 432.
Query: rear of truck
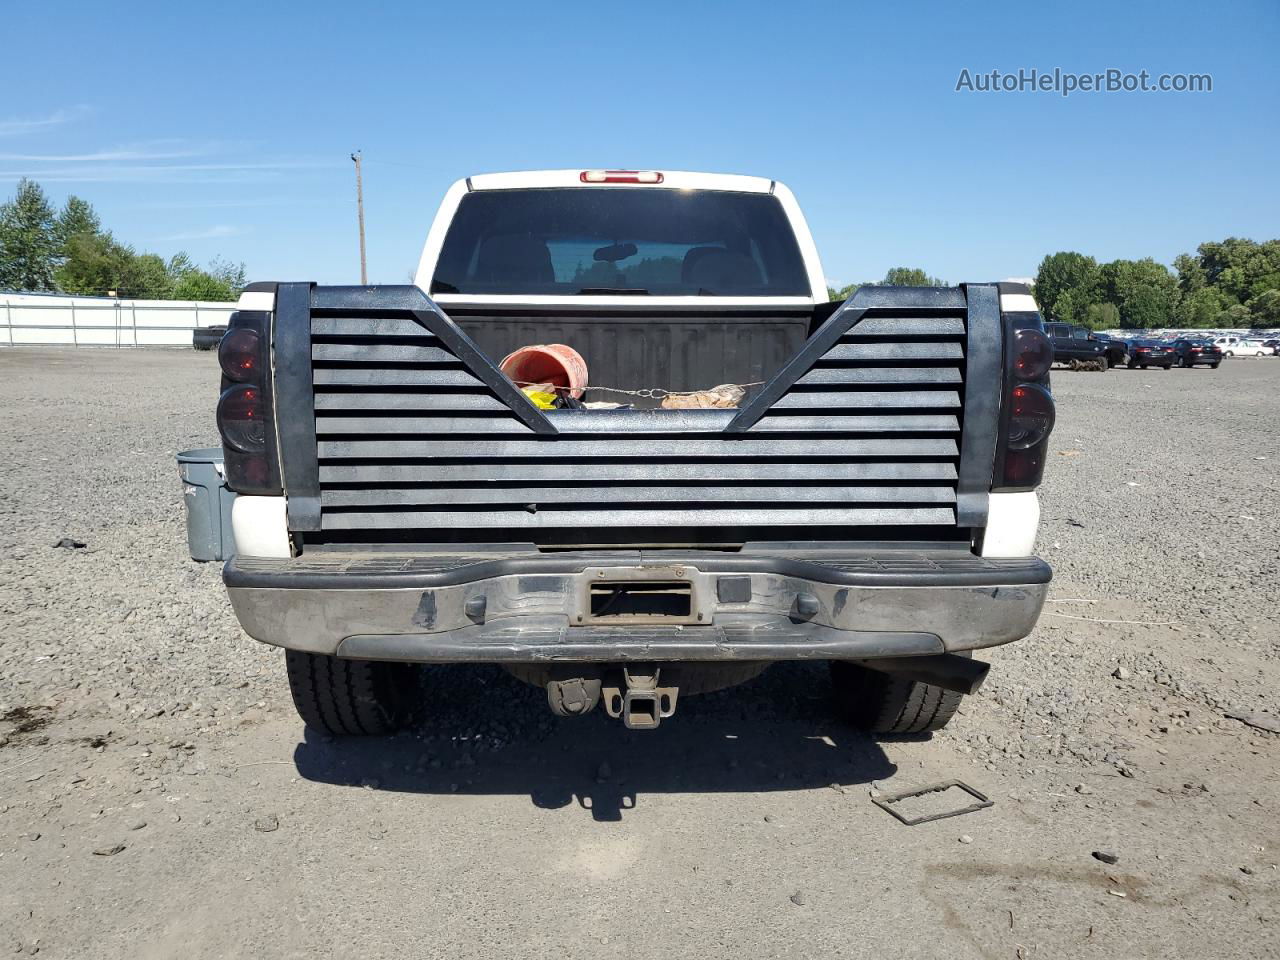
column 870, row 501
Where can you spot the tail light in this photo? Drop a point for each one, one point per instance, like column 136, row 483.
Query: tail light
column 1027, row 414
column 245, row 408
column 240, row 354
column 620, row 176
column 240, row 419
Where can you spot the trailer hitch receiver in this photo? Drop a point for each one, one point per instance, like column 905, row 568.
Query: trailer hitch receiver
column 640, row 701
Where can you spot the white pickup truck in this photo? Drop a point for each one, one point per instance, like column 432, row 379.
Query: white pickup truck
column 870, row 501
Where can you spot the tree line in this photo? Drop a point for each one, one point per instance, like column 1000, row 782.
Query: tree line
column 896, row 277
column 1234, row 283
column 68, row 251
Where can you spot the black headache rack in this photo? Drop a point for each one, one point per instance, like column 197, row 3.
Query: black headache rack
column 395, row 428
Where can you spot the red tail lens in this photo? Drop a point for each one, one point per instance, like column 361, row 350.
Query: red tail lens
column 241, row 418
column 240, row 353
column 1032, row 354
column 1031, row 415
column 1023, row 468
column 620, row 176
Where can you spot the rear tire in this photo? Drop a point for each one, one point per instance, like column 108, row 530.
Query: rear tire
column 351, row 698
column 883, row 703
column 1214, row 366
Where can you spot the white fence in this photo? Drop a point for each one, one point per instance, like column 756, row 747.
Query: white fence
column 33, row 319
column 1198, row 333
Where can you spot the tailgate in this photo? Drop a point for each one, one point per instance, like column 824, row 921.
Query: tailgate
column 881, row 427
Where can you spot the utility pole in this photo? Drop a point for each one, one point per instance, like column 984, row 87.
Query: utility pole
column 364, row 272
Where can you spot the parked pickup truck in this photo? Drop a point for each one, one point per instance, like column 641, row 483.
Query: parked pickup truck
column 1076, row 347
column 869, row 502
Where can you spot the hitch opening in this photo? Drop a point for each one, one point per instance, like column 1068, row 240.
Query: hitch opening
column 640, row 702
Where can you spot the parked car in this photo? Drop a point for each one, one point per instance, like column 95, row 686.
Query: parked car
column 1116, row 349
column 1074, row 347
column 1192, row 352
column 1257, row 348
column 1151, row 353
column 206, row 338
column 402, row 502
column 1234, row 346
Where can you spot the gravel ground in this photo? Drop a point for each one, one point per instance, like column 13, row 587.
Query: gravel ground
column 159, row 798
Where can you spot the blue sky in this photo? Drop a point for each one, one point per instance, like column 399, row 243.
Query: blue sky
column 225, row 129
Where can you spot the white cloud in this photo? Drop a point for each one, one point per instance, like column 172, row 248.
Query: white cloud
column 212, row 233
column 171, row 160
column 14, row 127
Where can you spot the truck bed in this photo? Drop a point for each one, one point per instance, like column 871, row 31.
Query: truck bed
column 639, row 348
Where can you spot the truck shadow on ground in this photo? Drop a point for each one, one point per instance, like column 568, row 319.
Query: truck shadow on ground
column 487, row 733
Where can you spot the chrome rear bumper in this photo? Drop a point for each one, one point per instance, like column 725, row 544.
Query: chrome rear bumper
column 526, row 607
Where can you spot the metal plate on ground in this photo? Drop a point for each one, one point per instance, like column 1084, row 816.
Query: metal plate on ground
column 887, row 802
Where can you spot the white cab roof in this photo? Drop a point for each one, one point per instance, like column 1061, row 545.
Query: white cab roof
column 671, row 179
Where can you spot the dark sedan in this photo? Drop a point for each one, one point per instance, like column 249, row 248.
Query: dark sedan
column 1150, row 353
column 1192, row 352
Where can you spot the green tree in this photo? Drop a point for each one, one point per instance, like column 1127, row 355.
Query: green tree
column 1102, row 316
column 28, row 239
column 1265, row 309
column 148, row 278
column 77, row 217
column 1240, row 268
column 1202, row 308
column 1236, row 315
column 1191, row 274
column 1145, row 292
column 200, row 285
column 232, row 274
column 844, row 293
column 911, row 277
column 1066, row 284
column 94, row 264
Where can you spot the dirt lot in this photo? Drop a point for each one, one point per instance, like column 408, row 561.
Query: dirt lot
column 158, row 796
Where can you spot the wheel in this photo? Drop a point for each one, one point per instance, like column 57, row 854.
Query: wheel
column 1214, row 366
column 1259, row 354
column 351, row 698
column 883, row 703
column 1167, row 366
column 1227, row 353
column 1186, row 364
column 1143, row 366
column 1131, row 365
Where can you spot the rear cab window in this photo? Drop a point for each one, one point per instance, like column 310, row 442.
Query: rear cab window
column 601, row 240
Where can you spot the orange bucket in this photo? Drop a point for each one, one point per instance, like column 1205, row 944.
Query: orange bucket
column 554, row 363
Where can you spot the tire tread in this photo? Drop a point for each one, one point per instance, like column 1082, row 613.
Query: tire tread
column 883, row 703
column 351, row 698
